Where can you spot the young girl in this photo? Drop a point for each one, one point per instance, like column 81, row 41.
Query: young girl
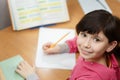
column 98, row 43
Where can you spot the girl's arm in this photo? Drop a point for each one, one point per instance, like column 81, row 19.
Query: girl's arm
column 70, row 46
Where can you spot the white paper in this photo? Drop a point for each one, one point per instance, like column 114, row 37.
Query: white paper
column 91, row 5
column 57, row 61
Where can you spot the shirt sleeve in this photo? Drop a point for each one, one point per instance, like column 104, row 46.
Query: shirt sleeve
column 72, row 44
column 32, row 77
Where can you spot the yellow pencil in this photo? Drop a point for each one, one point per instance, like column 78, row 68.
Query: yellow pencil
column 53, row 45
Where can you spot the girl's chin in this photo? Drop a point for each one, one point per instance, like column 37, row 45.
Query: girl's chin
column 84, row 54
column 86, row 57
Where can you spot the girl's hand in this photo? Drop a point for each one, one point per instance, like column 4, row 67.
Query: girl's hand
column 24, row 69
column 1, row 75
column 50, row 50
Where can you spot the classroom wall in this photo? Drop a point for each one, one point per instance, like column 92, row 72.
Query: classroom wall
column 4, row 15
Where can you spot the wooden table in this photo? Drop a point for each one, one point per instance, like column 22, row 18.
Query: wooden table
column 24, row 42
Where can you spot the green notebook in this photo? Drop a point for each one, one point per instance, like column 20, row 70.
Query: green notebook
column 9, row 66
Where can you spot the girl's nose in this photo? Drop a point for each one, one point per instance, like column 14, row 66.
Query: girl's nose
column 87, row 43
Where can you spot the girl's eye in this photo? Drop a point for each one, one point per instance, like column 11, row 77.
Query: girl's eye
column 83, row 34
column 97, row 39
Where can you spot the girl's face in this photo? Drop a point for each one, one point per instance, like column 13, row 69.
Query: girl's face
column 92, row 46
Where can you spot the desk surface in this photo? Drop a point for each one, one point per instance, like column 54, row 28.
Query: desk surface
column 24, row 42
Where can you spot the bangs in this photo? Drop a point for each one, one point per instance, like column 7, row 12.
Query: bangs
column 90, row 25
column 89, row 29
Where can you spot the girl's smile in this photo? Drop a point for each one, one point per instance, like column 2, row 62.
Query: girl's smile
column 86, row 52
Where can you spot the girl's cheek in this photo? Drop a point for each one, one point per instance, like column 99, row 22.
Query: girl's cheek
column 79, row 42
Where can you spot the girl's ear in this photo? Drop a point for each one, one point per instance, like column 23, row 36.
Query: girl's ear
column 112, row 45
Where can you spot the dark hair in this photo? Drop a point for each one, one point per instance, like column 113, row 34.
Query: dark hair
column 101, row 20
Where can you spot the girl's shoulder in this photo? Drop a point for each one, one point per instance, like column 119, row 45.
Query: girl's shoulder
column 115, row 60
column 116, row 65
